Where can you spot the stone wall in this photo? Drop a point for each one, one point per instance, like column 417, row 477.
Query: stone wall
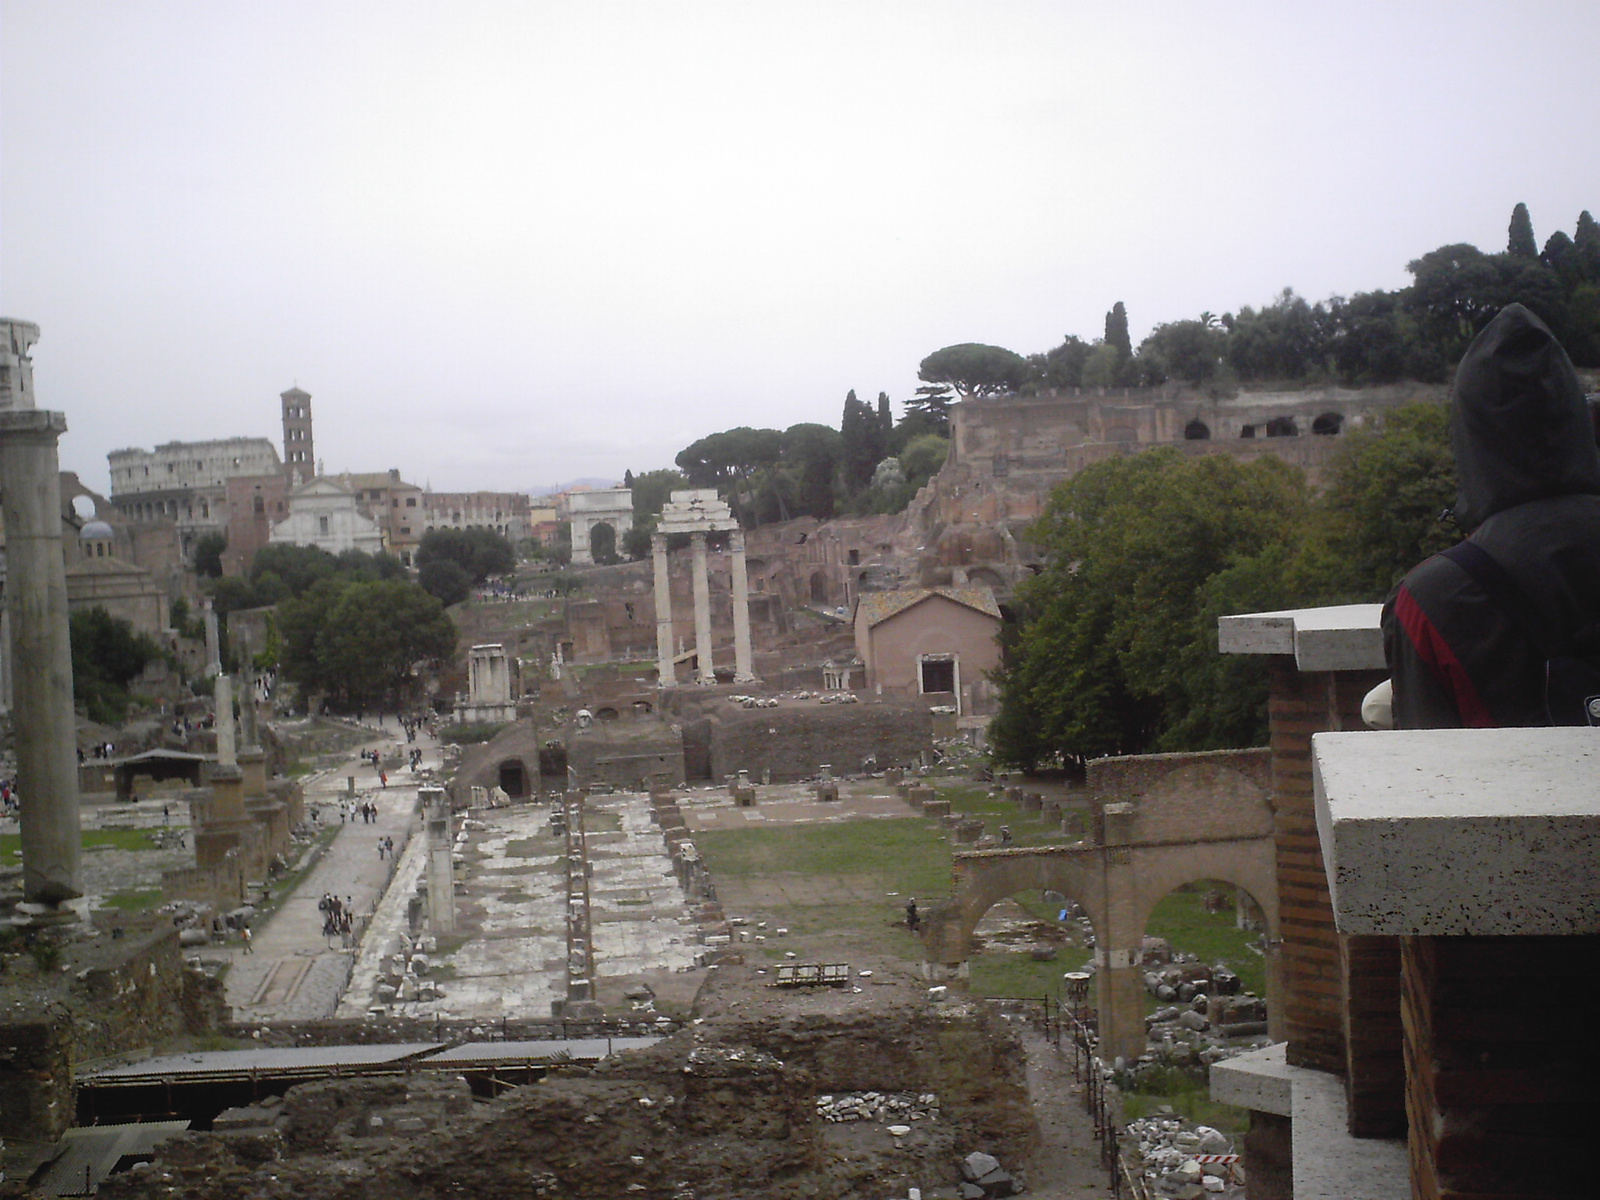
column 792, row 743
column 1185, row 797
column 93, row 997
column 626, row 755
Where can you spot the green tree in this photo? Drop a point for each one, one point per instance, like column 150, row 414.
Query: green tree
column 377, row 635
column 445, row 580
column 858, row 444
column 729, row 460
column 1117, row 336
column 363, row 642
column 932, row 403
column 107, row 656
column 1288, row 339
column 1113, row 650
column 811, row 455
column 1380, row 514
column 1061, row 367
column 478, row 551
column 208, row 555
column 921, row 459
column 974, row 369
column 652, row 490
column 1586, row 245
column 1186, row 350
column 636, row 543
column 1520, row 241
column 299, row 567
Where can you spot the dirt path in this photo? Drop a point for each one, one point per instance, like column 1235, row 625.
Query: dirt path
column 1067, row 1164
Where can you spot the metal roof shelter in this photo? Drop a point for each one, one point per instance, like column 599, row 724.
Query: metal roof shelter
column 159, row 765
column 90, row 1154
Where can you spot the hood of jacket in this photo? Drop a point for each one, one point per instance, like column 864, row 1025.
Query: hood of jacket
column 1519, row 424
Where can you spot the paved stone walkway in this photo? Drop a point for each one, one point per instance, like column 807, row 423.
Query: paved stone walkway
column 294, row 971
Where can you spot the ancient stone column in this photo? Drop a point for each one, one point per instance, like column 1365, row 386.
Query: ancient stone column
column 666, row 674
column 742, row 668
column 441, row 845
column 213, row 641
column 5, row 662
column 227, row 744
column 41, row 658
column 702, row 609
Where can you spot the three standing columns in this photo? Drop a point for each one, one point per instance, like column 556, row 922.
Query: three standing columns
column 742, row 654
column 36, row 604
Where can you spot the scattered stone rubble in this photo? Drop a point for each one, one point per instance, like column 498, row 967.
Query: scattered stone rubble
column 985, row 1176
column 895, row 1107
column 1199, row 1000
column 1181, row 1160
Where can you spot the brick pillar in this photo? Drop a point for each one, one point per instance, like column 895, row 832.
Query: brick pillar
column 1312, row 1021
column 1301, row 703
column 1500, row 1065
column 1374, row 1042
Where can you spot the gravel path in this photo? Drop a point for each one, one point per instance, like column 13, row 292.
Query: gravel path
column 1067, row 1164
column 295, row 972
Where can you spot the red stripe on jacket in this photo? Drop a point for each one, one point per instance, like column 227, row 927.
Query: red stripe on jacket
column 1436, row 654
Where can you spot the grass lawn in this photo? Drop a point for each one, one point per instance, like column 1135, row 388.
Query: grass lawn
column 1181, row 918
column 830, row 885
column 133, row 901
column 1027, row 829
column 118, row 839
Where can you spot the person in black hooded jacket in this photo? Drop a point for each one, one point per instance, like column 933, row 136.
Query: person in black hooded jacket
column 1529, row 493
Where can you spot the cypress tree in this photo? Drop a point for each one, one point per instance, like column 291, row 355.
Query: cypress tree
column 885, row 417
column 856, row 433
column 1521, row 243
column 1117, row 332
column 1586, row 242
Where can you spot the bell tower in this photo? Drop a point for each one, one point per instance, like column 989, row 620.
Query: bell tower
column 299, row 457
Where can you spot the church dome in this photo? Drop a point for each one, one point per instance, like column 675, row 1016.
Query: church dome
column 96, row 531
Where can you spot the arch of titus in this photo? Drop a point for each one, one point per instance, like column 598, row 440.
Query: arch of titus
column 698, row 513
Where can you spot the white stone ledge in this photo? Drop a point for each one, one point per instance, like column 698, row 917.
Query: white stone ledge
column 1488, row 832
column 1345, row 637
column 1329, row 1164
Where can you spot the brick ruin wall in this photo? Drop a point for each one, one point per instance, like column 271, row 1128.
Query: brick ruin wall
column 108, row 995
column 791, row 743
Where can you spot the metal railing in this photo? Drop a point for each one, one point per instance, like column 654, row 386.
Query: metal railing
column 1059, row 1020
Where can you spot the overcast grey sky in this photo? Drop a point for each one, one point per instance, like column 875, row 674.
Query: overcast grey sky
column 505, row 245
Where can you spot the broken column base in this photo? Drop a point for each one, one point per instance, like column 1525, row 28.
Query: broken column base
column 33, row 915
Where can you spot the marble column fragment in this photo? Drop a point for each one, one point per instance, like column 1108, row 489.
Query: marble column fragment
column 743, row 671
column 702, row 610
column 41, row 657
column 227, row 743
column 666, row 674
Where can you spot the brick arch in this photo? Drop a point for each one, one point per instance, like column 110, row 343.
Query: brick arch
column 1159, row 821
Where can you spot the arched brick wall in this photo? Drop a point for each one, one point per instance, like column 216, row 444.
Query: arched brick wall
column 1160, row 821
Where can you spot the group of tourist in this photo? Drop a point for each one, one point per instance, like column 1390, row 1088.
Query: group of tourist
column 366, row 810
column 9, row 800
column 338, row 916
column 385, row 847
column 415, row 724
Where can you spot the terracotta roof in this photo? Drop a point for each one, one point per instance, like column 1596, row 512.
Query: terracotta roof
column 880, row 606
